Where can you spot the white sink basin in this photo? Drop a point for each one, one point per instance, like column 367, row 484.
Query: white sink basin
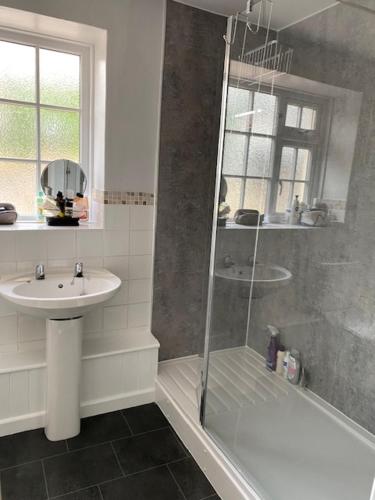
column 58, row 296
column 266, row 277
column 62, row 301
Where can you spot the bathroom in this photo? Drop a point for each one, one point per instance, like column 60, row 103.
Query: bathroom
column 186, row 266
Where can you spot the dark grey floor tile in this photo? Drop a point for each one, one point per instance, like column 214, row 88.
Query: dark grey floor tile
column 142, row 452
column 99, row 429
column 80, row 469
column 191, row 479
column 87, row 494
column 26, row 447
column 25, row 482
column 145, row 418
column 156, row 484
column 187, row 452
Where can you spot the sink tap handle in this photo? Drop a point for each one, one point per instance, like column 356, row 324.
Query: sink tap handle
column 78, row 270
column 39, row 272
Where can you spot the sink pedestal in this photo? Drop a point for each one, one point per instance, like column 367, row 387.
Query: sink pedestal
column 64, row 351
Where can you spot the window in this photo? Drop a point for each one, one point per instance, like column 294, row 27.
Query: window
column 44, row 108
column 272, row 145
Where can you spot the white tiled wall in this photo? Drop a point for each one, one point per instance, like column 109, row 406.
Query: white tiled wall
column 123, row 247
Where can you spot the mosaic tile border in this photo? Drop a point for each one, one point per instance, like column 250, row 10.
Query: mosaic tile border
column 123, row 197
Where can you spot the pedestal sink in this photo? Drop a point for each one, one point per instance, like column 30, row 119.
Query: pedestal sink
column 63, row 301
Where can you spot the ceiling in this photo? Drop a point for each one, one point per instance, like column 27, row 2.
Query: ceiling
column 285, row 12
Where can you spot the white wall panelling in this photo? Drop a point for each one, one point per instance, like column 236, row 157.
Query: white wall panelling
column 117, row 372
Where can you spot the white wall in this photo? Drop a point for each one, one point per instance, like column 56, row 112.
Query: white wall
column 134, row 67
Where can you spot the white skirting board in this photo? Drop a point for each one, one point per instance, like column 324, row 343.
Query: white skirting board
column 117, row 372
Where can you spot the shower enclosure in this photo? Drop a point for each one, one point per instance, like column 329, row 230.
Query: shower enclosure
column 293, row 248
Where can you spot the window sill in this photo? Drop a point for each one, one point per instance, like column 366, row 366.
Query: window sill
column 42, row 226
column 233, row 225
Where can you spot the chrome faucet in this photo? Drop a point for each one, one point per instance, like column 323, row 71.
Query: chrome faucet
column 78, row 270
column 228, row 261
column 39, row 272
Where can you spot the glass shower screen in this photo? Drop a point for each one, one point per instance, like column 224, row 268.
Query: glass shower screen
column 291, row 253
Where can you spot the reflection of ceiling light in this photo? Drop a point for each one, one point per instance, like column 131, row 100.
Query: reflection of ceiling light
column 248, row 113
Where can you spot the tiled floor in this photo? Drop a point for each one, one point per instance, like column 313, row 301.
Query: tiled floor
column 128, row 455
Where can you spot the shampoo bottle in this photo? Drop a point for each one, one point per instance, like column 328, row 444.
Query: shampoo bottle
column 273, row 347
column 285, row 364
column 39, row 205
column 294, row 367
column 280, row 360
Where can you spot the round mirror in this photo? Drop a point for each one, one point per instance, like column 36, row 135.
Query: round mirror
column 65, row 176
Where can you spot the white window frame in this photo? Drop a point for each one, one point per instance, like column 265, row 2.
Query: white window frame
column 86, row 94
column 284, row 136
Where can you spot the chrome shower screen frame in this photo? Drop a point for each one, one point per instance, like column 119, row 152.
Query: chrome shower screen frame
column 204, row 373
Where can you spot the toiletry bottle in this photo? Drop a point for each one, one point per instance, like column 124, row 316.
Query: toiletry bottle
column 273, row 347
column 280, row 360
column 60, row 202
column 39, row 205
column 294, row 214
column 294, row 367
column 286, row 363
column 81, row 207
column 69, row 208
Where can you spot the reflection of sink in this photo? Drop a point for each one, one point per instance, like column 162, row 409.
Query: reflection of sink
column 62, row 300
column 59, row 296
column 266, row 278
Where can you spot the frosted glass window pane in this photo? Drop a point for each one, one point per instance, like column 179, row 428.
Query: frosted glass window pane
column 18, row 186
column 288, row 161
column 264, row 118
column 60, row 134
column 239, row 105
column 300, row 190
column 17, row 131
column 234, row 194
column 292, row 116
column 303, row 165
column 234, row 154
column 256, row 194
column 17, row 72
column 259, row 162
column 283, row 196
column 308, row 119
column 59, row 78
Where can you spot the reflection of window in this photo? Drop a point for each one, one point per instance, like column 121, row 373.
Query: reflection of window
column 301, row 117
column 294, row 176
column 42, row 116
column 271, row 147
